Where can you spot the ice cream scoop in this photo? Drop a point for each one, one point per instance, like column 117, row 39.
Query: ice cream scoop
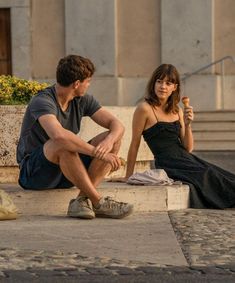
column 185, row 101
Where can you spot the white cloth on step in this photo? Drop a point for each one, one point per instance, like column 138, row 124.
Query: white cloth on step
column 150, row 177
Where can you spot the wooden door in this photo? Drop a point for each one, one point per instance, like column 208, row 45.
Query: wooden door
column 5, row 42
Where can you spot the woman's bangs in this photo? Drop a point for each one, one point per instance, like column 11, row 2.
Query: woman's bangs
column 168, row 76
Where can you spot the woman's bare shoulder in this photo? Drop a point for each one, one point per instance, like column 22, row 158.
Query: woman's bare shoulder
column 143, row 106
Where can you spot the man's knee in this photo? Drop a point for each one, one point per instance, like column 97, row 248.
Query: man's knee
column 100, row 137
column 55, row 153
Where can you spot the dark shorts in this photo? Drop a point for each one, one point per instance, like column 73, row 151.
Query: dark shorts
column 38, row 173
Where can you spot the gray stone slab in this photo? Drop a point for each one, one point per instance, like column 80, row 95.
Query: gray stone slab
column 141, row 237
column 21, row 48
column 14, row 3
column 188, row 43
column 98, row 39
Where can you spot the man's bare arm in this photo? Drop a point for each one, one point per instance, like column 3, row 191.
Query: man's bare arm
column 116, row 130
column 65, row 138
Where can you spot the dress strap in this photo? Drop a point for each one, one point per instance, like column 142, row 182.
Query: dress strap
column 154, row 113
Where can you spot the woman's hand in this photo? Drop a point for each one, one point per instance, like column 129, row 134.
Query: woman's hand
column 119, row 180
column 188, row 115
column 186, row 134
column 113, row 160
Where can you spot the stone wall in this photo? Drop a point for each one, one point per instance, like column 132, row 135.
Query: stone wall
column 127, row 40
column 11, row 120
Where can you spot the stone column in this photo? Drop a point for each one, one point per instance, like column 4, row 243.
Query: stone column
column 122, row 39
column 188, row 43
column 21, row 42
column 90, row 32
column 187, row 33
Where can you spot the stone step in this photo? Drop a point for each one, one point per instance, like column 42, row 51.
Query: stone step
column 10, row 174
column 214, row 130
column 215, row 136
column 144, row 198
column 214, row 145
column 223, row 159
column 211, row 126
column 214, row 116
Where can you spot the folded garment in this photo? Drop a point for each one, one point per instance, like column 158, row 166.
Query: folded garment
column 8, row 210
column 150, row 177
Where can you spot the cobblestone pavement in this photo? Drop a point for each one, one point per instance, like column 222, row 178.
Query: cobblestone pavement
column 44, row 266
column 207, row 238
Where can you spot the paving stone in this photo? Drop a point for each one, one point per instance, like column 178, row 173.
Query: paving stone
column 2, row 274
column 20, row 275
column 98, row 271
column 75, row 273
column 206, row 236
column 49, row 273
column 149, row 269
column 214, row 270
column 122, row 270
column 179, row 269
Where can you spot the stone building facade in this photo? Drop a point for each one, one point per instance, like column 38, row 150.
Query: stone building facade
column 127, row 40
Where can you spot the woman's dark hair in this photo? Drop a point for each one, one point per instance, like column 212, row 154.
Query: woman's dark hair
column 169, row 72
column 72, row 68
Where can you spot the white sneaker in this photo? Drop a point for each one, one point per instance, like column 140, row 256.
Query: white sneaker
column 81, row 208
column 112, row 209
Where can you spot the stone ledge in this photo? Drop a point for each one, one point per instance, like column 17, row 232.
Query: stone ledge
column 144, row 198
column 12, row 116
column 10, row 174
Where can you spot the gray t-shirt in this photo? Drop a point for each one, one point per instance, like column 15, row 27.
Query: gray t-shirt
column 33, row 135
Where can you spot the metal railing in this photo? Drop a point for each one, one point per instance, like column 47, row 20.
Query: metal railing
column 221, row 61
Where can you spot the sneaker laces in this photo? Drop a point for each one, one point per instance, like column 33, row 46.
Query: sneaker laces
column 84, row 201
column 110, row 203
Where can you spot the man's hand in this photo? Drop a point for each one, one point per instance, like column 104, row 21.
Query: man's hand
column 103, row 148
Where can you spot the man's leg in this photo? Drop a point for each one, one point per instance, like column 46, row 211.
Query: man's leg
column 73, row 169
column 108, row 207
column 98, row 168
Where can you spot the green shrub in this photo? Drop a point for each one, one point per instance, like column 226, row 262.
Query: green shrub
column 18, row 91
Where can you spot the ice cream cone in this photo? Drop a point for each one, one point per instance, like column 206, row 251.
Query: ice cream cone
column 185, row 101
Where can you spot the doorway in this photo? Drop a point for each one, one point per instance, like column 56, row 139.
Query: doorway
column 5, row 42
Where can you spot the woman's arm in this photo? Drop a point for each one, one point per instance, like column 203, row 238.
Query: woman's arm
column 186, row 134
column 138, row 125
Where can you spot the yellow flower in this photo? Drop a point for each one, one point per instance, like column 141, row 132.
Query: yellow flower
column 14, row 90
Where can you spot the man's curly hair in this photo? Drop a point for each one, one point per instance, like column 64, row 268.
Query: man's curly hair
column 72, row 68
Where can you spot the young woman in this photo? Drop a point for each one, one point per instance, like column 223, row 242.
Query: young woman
column 166, row 129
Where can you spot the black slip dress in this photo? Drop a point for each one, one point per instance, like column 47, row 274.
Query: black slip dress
column 210, row 185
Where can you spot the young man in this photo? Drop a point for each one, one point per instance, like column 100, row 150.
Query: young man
column 51, row 154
